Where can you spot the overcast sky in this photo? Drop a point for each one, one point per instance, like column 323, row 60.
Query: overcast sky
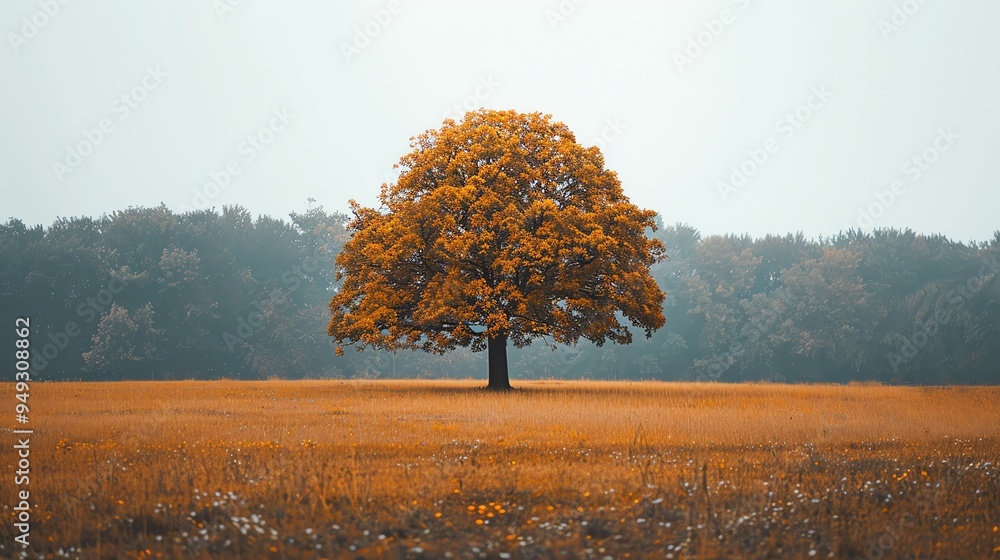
column 283, row 101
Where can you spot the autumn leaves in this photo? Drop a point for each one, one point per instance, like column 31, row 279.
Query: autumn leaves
column 501, row 220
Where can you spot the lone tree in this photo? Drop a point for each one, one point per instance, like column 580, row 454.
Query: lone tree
column 501, row 228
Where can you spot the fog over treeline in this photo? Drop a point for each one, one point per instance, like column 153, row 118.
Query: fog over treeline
column 146, row 293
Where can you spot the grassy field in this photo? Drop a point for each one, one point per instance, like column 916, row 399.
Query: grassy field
column 422, row 469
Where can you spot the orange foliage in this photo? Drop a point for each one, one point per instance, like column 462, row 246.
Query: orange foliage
column 501, row 220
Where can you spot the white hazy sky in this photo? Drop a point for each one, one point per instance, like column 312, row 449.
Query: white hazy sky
column 674, row 130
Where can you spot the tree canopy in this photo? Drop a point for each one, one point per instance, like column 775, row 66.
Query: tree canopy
column 501, row 221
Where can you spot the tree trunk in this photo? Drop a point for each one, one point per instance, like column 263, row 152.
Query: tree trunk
column 497, row 349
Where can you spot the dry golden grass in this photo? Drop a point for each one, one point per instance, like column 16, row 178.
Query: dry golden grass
column 422, row 469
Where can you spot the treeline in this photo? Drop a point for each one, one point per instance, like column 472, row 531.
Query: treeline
column 891, row 306
column 145, row 293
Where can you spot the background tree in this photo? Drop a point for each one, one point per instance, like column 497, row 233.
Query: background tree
column 502, row 221
column 124, row 341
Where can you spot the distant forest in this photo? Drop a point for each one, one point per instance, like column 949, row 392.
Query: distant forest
column 146, row 293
